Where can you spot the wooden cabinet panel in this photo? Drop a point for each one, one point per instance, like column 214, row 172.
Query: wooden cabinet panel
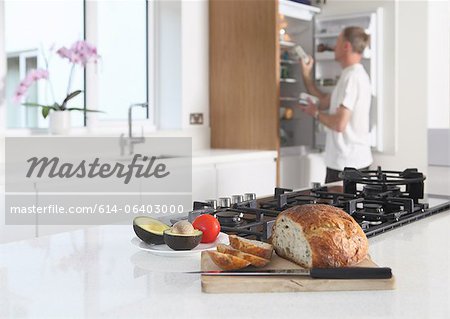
column 244, row 74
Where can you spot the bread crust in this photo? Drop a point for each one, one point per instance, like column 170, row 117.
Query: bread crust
column 247, row 246
column 227, row 262
column 335, row 238
column 254, row 260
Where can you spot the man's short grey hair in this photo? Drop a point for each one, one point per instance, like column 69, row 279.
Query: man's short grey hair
column 357, row 37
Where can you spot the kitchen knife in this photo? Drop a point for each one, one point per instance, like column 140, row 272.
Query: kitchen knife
column 318, row 273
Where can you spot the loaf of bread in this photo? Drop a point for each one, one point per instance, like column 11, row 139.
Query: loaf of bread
column 253, row 247
column 254, row 260
column 319, row 236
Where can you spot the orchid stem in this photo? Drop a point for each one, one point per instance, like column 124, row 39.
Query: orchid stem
column 51, row 89
column 70, row 78
column 46, row 61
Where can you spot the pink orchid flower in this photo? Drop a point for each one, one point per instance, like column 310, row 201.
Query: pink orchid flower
column 32, row 76
column 81, row 52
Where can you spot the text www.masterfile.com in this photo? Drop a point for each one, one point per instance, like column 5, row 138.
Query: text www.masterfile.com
column 97, row 209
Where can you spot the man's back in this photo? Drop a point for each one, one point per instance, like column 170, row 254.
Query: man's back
column 351, row 147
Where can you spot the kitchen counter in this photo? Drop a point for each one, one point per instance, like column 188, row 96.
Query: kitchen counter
column 98, row 272
column 207, row 156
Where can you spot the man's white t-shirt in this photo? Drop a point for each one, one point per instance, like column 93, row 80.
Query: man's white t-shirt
column 351, row 148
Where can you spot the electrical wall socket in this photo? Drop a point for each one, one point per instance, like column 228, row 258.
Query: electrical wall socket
column 196, row 118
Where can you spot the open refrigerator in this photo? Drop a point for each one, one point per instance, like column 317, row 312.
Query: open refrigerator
column 302, row 138
column 318, row 37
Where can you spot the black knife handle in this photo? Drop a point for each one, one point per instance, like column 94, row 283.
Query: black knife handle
column 351, row 273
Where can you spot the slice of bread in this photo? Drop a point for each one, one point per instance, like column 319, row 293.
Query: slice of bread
column 254, row 260
column 227, row 262
column 252, row 247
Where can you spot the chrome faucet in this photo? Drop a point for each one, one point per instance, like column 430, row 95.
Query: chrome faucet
column 130, row 141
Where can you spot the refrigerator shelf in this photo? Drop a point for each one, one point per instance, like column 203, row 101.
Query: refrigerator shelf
column 323, row 56
column 288, row 80
column 288, row 61
column 327, row 35
column 287, row 44
column 288, row 99
column 329, row 55
column 332, row 34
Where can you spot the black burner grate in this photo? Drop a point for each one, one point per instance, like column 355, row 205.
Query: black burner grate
column 378, row 200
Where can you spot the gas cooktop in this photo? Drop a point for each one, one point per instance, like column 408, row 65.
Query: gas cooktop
column 378, row 200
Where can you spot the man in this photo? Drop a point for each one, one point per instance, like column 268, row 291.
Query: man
column 347, row 141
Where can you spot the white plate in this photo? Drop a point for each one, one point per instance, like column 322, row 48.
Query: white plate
column 164, row 250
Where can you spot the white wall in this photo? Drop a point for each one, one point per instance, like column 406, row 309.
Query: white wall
column 411, row 88
column 182, row 68
column 168, row 65
column 439, row 64
column 182, row 62
column 2, row 87
column 439, row 83
column 195, row 65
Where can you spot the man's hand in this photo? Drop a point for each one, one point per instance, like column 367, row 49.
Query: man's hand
column 311, row 87
column 307, row 67
column 310, row 109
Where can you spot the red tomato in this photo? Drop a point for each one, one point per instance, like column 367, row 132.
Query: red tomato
column 209, row 225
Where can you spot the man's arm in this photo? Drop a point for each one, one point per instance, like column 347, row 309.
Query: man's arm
column 337, row 121
column 324, row 99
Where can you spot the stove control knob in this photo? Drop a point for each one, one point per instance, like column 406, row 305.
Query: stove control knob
column 212, row 203
column 249, row 196
column 315, row 185
column 224, row 202
column 236, row 199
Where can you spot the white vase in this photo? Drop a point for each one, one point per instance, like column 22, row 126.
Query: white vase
column 59, row 122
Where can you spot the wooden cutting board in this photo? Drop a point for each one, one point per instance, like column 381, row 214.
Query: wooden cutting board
column 239, row 284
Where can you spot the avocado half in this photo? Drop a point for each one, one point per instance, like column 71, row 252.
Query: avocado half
column 182, row 241
column 149, row 230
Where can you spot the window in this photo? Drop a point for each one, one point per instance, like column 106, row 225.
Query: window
column 18, row 65
column 33, row 28
column 121, row 31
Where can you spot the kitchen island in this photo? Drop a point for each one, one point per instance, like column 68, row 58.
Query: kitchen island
column 97, row 272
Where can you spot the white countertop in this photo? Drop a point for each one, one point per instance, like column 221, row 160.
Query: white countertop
column 97, row 272
column 216, row 156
